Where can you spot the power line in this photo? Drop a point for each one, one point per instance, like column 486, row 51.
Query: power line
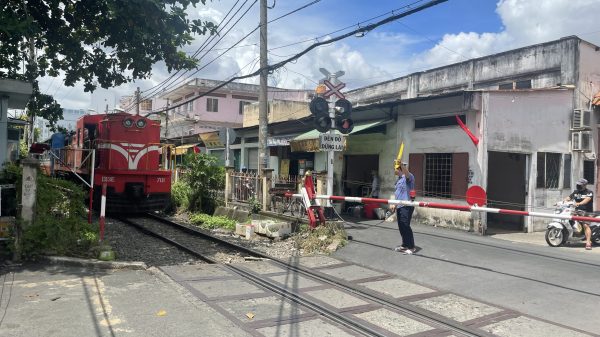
column 280, row 64
column 228, row 49
column 208, row 39
column 203, row 46
column 294, row 11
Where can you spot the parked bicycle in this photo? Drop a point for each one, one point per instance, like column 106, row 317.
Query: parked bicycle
column 282, row 204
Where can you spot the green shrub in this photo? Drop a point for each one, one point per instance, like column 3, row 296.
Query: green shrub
column 59, row 225
column 204, row 176
column 180, row 194
column 211, row 222
column 255, row 205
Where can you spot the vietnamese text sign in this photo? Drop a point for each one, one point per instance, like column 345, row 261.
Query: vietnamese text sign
column 329, row 142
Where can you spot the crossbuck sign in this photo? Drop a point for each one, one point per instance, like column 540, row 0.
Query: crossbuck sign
column 330, row 142
column 334, row 89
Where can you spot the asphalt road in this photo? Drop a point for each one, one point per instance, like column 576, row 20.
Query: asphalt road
column 558, row 285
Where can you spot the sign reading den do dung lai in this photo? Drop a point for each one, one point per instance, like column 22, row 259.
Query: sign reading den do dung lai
column 328, row 142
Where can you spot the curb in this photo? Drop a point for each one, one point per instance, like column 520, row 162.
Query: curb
column 74, row 261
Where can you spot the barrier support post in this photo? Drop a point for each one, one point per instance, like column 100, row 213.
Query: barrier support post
column 102, row 211
column 311, row 204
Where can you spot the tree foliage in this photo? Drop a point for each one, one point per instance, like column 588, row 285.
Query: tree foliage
column 99, row 42
column 59, row 226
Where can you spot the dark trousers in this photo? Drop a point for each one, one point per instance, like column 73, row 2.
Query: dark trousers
column 404, row 214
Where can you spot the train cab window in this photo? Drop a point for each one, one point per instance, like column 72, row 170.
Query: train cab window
column 89, row 135
column 78, row 137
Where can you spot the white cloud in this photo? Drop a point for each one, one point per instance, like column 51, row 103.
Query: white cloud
column 525, row 22
column 380, row 55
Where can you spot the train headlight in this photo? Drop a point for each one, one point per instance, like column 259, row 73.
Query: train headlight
column 128, row 122
column 141, row 123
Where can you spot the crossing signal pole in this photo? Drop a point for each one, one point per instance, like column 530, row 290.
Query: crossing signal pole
column 325, row 111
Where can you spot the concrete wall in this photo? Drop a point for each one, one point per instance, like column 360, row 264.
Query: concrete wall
column 279, row 111
column 448, row 140
column 547, row 65
column 589, row 84
column 384, row 145
column 529, row 122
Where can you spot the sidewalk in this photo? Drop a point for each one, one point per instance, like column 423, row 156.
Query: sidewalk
column 538, row 238
column 68, row 301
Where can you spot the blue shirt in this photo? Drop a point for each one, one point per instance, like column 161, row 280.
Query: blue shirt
column 403, row 187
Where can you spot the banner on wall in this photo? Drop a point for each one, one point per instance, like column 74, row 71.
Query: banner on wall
column 285, row 168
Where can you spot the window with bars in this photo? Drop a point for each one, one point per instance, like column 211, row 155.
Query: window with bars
column 438, row 175
column 567, row 171
column 212, row 105
column 588, row 171
column 242, row 105
column 548, row 169
column 146, row 105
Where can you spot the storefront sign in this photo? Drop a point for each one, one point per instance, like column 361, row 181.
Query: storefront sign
column 329, row 142
column 305, row 145
column 279, row 141
column 211, row 140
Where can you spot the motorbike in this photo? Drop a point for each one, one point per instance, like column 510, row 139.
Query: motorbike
column 560, row 231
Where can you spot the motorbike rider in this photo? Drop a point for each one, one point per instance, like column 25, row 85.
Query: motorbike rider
column 583, row 202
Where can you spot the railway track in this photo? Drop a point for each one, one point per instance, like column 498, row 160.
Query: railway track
column 206, row 247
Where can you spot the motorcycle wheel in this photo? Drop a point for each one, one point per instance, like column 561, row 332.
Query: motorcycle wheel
column 555, row 237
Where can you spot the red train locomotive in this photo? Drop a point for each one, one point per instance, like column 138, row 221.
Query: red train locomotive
column 127, row 159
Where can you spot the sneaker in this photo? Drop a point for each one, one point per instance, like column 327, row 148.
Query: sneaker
column 408, row 251
column 400, row 249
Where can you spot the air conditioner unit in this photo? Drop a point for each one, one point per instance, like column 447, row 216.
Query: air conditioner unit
column 581, row 141
column 581, row 119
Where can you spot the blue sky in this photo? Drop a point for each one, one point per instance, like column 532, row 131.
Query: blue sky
column 449, row 32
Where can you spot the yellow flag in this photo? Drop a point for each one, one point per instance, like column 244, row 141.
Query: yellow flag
column 399, row 157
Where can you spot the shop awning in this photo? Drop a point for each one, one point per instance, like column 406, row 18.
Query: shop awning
column 596, row 100
column 309, row 141
column 314, row 134
column 183, row 149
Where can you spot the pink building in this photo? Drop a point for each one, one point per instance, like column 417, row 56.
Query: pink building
column 222, row 108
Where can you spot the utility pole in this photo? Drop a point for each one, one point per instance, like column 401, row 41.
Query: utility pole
column 262, row 97
column 137, row 101
column 32, row 75
column 167, row 121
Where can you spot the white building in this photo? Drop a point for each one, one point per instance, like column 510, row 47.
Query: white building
column 69, row 120
column 530, row 108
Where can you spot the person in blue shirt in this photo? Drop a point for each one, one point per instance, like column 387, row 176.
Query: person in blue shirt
column 404, row 184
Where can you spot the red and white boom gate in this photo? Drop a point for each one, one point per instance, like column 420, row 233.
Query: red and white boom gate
column 474, row 194
column 308, row 195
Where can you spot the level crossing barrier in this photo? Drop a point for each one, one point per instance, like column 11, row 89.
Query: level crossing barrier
column 465, row 208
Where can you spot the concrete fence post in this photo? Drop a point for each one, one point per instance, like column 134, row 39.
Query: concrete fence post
column 266, row 186
column 28, row 202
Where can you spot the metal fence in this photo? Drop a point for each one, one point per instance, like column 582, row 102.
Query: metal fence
column 285, row 181
column 245, row 186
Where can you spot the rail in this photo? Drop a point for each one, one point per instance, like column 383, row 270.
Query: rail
column 434, row 319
